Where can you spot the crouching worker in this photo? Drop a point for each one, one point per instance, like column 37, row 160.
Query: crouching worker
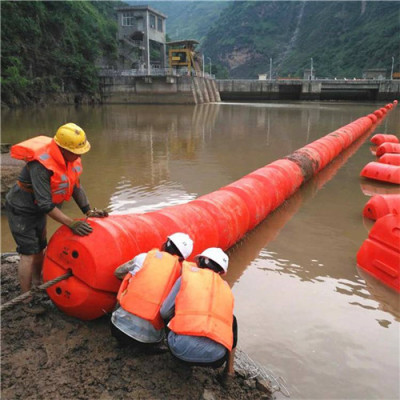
column 202, row 329
column 151, row 276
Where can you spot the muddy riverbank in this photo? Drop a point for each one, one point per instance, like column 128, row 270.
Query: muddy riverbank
column 53, row 356
column 10, row 169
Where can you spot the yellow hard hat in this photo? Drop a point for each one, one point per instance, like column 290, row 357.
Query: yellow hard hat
column 72, row 138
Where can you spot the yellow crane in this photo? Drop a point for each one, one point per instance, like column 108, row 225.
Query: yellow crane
column 182, row 54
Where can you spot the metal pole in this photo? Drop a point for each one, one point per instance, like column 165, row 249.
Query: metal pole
column 391, row 74
column 148, row 44
column 270, row 69
column 311, row 74
column 203, row 65
column 210, row 64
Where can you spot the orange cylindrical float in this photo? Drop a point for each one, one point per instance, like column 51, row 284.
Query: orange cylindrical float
column 380, row 205
column 390, row 158
column 379, row 255
column 388, row 148
column 217, row 219
column 380, row 138
column 382, row 172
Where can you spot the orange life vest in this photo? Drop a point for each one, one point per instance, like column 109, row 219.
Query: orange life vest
column 204, row 306
column 45, row 150
column 144, row 293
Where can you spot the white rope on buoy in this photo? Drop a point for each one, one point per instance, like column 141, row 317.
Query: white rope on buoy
column 26, row 295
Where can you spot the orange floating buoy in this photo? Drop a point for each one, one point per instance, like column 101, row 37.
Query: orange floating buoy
column 373, row 118
column 380, row 138
column 379, row 255
column 378, row 113
column 380, row 205
column 388, row 148
column 390, row 158
column 395, row 102
column 382, row 172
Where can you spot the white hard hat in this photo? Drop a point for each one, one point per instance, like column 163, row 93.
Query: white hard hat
column 217, row 255
column 183, row 243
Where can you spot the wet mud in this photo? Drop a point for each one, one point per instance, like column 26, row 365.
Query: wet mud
column 53, row 356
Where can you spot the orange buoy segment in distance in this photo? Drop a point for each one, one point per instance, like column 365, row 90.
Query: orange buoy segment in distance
column 388, row 148
column 380, row 205
column 379, row 255
column 390, row 158
column 382, row 172
column 380, row 138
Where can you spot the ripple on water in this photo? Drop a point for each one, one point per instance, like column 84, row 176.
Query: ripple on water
column 144, row 198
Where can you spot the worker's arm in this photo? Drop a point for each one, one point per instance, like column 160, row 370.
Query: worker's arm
column 60, row 217
column 80, row 198
column 82, row 201
column 81, row 228
column 132, row 266
column 40, row 178
column 167, row 310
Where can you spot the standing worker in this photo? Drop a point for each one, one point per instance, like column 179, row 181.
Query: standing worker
column 148, row 280
column 50, row 176
column 199, row 308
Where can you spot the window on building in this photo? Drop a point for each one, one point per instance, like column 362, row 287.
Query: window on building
column 159, row 24
column 140, row 24
column 152, row 21
column 128, row 19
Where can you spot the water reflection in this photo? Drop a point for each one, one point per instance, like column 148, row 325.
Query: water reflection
column 251, row 246
column 141, row 199
column 370, row 187
column 386, row 299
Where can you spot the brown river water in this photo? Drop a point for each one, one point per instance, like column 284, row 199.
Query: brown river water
column 305, row 310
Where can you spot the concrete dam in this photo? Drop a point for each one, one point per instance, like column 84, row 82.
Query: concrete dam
column 173, row 89
column 297, row 89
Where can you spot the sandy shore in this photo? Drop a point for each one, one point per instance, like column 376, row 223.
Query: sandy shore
column 53, row 356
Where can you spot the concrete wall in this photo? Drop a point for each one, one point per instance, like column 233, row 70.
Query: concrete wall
column 157, row 90
column 308, row 90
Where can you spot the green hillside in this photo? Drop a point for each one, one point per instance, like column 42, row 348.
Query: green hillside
column 52, row 47
column 188, row 19
column 343, row 38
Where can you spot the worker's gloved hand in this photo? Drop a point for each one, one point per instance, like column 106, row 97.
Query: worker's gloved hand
column 96, row 213
column 81, row 228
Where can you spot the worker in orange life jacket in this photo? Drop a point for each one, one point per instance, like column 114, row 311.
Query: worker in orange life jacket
column 150, row 277
column 50, row 176
column 202, row 329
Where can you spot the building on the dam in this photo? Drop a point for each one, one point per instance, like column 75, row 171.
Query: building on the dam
column 144, row 74
column 141, row 31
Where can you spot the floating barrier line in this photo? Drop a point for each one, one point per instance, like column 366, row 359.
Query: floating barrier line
column 217, row 219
